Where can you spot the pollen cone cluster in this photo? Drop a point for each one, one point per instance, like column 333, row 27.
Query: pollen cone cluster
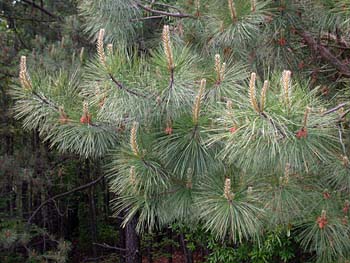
column 133, row 139
column 197, row 102
column 252, row 93
column 100, row 47
column 23, row 74
column 227, row 190
column 167, row 47
column 219, row 69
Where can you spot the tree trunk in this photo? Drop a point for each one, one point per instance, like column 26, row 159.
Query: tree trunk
column 149, row 250
column 188, row 253
column 25, row 201
column 170, row 247
column 132, row 243
column 121, row 237
column 92, row 211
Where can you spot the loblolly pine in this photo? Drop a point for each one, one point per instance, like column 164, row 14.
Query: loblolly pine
column 198, row 125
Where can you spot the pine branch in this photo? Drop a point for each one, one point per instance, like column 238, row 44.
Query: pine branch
column 58, row 196
column 274, row 125
column 147, row 18
column 45, row 101
column 26, row 19
column 43, row 10
column 159, row 12
column 325, row 53
column 344, row 114
column 335, row 108
column 122, row 87
column 334, row 38
column 104, row 245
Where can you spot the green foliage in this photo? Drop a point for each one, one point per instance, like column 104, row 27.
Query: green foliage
column 250, row 160
column 275, row 246
column 15, row 234
column 112, row 15
column 237, row 218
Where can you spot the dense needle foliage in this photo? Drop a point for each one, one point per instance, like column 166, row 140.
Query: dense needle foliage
column 224, row 115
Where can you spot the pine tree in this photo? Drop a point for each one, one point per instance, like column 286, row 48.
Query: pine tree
column 219, row 123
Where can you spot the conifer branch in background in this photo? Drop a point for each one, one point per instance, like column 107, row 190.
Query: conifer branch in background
column 43, row 10
column 58, row 196
column 325, row 53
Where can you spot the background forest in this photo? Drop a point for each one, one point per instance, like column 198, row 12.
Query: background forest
column 189, row 131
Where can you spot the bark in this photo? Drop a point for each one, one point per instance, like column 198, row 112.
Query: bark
column 121, row 238
column 324, row 52
column 132, row 243
column 43, row 10
column 170, row 247
column 188, row 253
column 92, row 211
column 24, row 196
column 149, row 251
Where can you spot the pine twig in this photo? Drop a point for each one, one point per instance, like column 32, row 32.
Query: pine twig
column 58, row 196
column 104, row 245
column 344, row 114
column 147, row 18
column 159, row 12
column 45, row 101
column 335, row 108
column 43, row 10
column 343, row 68
column 122, row 87
column 274, row 125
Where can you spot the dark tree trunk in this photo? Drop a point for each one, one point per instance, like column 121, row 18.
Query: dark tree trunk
column 121, row 232
column 170, row 247
column 132, row 243
column 24, row 196
column 92, row 211
column 188, row 253
column 105, row 193
column 149, row 250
